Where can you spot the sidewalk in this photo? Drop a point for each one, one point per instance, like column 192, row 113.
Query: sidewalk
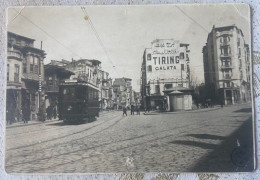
column 35, row 122
column 181, row 112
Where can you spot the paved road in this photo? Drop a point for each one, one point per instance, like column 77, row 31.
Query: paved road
column 146, row 143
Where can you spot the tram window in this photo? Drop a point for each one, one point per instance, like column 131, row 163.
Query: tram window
column 69, row 91
column 81, row 94
column 91, row 94
column 95, row 95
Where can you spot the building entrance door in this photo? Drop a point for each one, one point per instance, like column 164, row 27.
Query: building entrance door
column 26, row 112
column 228, row 96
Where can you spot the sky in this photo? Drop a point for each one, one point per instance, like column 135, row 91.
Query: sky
column 118, row 35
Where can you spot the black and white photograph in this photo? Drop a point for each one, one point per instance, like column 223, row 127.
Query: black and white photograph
column 129, row 88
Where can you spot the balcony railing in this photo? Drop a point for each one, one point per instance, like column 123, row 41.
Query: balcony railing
column 225, row 55
column 226, row 66
column 224, row 43
column 227, row 77
column 14, row 54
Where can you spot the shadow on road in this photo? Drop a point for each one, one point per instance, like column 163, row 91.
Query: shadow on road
column 248, row 110
column 206, row 136
column 196, row 144
column 234, row 154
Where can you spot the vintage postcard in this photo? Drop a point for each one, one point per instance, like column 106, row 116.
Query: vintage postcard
column 101, row 89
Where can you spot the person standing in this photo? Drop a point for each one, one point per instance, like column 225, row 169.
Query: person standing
column 138, row 110
column 132, row 110
column 124, row 111
column 54, row 112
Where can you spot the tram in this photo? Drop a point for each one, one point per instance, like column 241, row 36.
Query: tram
column 78, row 101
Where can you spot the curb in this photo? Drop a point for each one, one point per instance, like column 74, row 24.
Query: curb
column 183, row 112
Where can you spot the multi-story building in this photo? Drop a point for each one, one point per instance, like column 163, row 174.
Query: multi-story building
column 91, row 71
column 226, row 58
column 165, row 76
column 25, row 72
column 123, row 92
column 85, row 70
column 55, row 73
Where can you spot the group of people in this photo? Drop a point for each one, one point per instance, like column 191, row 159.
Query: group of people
column 133, row 109
column 51, row 112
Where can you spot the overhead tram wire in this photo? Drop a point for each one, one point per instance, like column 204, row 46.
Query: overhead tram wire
column 192, row 19
column 98, row 37
column 29, row 20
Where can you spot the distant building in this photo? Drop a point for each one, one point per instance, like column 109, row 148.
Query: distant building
column 123, row 92
column 25, row 75
column 165, row 76
column 226, row 58
column 55, row 73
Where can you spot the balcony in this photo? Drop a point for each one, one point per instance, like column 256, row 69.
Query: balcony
column 14, row 54
column 227, row 77
column 225, row 55
column 225, row 43
column 226, row 66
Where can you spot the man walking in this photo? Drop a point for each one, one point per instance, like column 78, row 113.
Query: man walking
column 124, row 111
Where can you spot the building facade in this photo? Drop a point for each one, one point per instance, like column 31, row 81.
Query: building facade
column 226, row 58
column 25, row 75
column 123, row 93
column 90, row 70
column 55, row 73
column 165, row 76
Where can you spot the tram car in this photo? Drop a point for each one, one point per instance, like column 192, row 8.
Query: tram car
column 78, row 101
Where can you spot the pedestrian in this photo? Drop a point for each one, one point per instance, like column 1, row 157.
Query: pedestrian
column 54, row 113
column 132, row 110
column 124, row 111
column 138, row 110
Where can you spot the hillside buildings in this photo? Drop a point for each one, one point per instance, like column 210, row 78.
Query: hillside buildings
column 165, row 77
column 226, row 58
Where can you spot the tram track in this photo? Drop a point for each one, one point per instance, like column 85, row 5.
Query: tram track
column 51, row 125
column 61, row 137
column 128, row 139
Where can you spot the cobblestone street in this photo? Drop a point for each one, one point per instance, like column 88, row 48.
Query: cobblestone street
column 201, row 140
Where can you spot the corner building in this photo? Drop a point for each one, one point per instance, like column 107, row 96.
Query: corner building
column 165, row 76
column 25, row 75
column 226, row 58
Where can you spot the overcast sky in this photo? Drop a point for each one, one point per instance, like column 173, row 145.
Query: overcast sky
column 124, row 32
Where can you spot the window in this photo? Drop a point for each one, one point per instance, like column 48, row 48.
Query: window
column 91, row 94
column 24, row 68
column 226, row 62
column 224, row 50
column 181, row 55
column 8, row 70
column 36, row 69
column 227, row 74
column 226, row 39
column 149, row 68
column 50, row 81
column 16, row 73
column 238, row 41
column 31, row 68
column 168, row 86
column 182, row 67
column 149, row 57
column 157, row 89
column 180, row 85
